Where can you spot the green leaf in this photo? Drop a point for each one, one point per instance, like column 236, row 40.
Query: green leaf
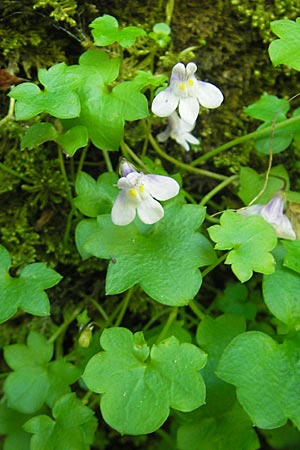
column 37, row 134
column 73, row 428
column 105, row 32
column 292, row 258
column 267, row 107
column 11, row 425
column 95, row 197
column 140, row 385
column 58, row 97
column 281, row 292
column 233, row 430
column 25, row 291
column 221, row 423
column 162, row 258
column 252, row 183
column 75, row 138
column 286, row 49
column 234, row 300
column 266, row 376
column 272, row 111
column 249, row 240
column 128, row 101
column 35, row 380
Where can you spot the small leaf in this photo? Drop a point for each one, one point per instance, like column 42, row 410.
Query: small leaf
column 73, row 428
column 105, row 32
column 292, row 258
column 134, row 380
column 251, row 184
column 281, row 291
column 249, row 240
column 25, row 291
column 35, row 380
column 11, row 425
column 75, row 138
column 266, row 376
column 58, row 98
column 95, row 197
column 37, row 134
column 162, row 258
column 286, row 49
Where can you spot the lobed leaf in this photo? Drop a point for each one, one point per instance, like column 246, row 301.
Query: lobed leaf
column 266, row 376
column 249, row 241
column 286, row 49
column 281, row 291
column 139, row 385
column 162, row 258
column 35, row 380
column 105, row 31
column 27, row 291
column 73, row 426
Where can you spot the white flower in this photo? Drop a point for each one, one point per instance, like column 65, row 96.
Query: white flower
column 138, row 193
column 272, row 212
column 188, row 92
column 178, row 129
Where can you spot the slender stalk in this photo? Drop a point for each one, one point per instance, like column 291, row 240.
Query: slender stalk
column 217, row 189
column 81, row 160
column 195, row 308
column 107, row 161
column 62, row 328
column 187, row 167
column 127, row 151
column 212, row 266
column 124, row 306
column 245, row 138
column 64, row 174
column 164, row 331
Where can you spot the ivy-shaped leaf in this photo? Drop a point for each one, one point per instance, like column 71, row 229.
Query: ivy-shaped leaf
column 35, row 380
column 281, row 291
column 37, row 134
column 139, row 384
column 292, row 257
column 266, row 376
column 58, row 98
column 252, row 183
column 104, row 110
column 95, row 197
column 11, row 426
column 250, row 241
column 73, row 426
column 162, row 258
column 272, row 110
column 286, row 49
column 27, row 291
column 105, row 30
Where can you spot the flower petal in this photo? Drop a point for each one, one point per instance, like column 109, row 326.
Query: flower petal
column 126, row 167
column 253, row 210
column 209, row 95
column 150, row 211
column 284, row 229
column 123, row 212
column 161, row 187
column 191, row 68
column 164, row 135
column 191, row 139
column 178, row 73
column 164, row 103
column 189, row 109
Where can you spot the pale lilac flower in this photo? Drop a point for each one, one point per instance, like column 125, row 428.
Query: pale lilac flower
column 179, row 130
column 272, row 212
column 138, row 193
column 187, row 92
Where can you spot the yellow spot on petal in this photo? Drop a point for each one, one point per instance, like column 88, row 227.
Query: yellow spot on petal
column 133, row 192
column 182, row 86
column 141, row 188
column 191, row 82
